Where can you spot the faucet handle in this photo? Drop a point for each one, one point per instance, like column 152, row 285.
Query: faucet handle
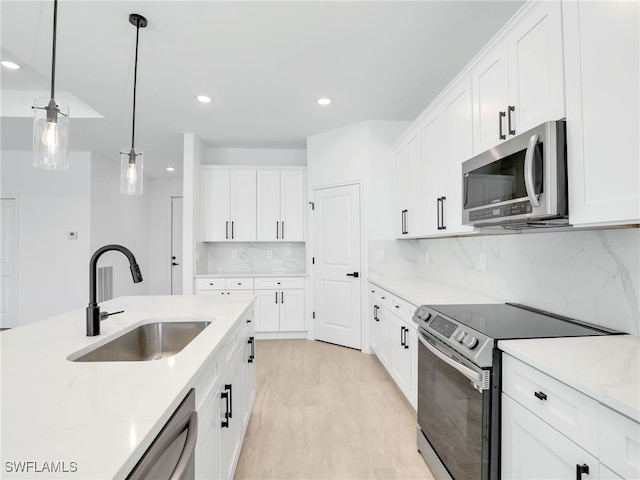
column 105, row 315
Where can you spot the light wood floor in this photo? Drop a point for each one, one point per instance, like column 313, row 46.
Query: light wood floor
column 324, row 411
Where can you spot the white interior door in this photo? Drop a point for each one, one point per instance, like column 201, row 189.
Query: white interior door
column 8, row 263
column 337, row 258
column 176, row 245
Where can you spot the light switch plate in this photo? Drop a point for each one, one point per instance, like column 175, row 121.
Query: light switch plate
column 482, row 262
column 269, row 254
column 234, row 254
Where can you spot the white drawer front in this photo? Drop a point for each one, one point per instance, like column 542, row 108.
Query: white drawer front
column 572, row 413
column 276, row 283
column 402, row 308
column 210, row 283
column 619, row 443
column 239, row 284
column 205, row 383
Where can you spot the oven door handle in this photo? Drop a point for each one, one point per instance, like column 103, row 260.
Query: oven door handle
column 467, row 372
column 528, row 171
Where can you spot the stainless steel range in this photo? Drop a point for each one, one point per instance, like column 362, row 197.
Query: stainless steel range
column 459, row 381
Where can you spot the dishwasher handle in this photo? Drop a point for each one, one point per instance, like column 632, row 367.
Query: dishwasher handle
column 466, row 371
column 167, row 437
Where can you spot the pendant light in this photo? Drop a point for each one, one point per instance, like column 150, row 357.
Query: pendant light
column 51, row 122
column 132, row 161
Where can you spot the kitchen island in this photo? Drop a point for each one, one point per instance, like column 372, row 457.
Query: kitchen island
column 64, row 419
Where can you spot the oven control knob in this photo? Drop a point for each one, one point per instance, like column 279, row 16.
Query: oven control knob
column 458, row 337
column 470, row 342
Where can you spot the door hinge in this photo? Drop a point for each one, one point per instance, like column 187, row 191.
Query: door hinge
column 313, row 314
column 313, row 205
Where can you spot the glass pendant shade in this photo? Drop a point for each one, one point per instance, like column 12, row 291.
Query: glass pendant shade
column 131, row 164
column 50, row 134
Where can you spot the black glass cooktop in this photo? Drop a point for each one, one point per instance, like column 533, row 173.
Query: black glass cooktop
column 504, row 321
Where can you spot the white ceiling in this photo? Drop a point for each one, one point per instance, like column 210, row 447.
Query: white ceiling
column 265, row 63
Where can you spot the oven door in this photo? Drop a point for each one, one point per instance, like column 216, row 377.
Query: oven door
column 453, row 412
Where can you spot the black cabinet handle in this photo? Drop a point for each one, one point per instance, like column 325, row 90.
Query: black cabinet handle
column 281, row 297
column 511, row 109
column 354, row 274
column 282, row 229
column 249, row 320
column 501, row 115
column 442, row 225
column 375, row 313
column 226, row 229
column 540, row 395
column 402, row 336
column 276, row 297
column 406, row 343
column 277, row 231
column 580, row 469
column 438, row 200
column 232, row 230
column 225, row 422
column 252, row 355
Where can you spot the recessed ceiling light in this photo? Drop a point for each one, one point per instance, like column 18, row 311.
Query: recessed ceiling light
column 171, row 169
column 203, row 98
column 324, row 101
column 10, row 65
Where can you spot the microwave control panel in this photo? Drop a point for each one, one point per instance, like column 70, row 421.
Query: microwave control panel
column 520, row 208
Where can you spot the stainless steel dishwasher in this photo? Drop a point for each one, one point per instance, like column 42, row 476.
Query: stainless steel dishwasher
column 172, row 453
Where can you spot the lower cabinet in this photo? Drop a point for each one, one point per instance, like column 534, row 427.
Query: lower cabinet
column 551, row 430
column 394, row 340
column 227, row 393
column 280, row 305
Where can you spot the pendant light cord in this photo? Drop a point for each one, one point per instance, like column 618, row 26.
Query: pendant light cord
column 53, row 60
column 135, row 82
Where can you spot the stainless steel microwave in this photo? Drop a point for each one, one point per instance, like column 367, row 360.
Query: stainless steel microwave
column 520, row 183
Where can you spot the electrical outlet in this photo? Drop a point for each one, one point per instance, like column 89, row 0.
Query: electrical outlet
column 482, row 262
column 234, row 254
column 269, row 254
column 427, row 257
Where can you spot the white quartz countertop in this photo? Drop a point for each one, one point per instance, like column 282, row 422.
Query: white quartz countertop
column 251, row 275
column 422, row 292
column 96, row 419
column 605, row 368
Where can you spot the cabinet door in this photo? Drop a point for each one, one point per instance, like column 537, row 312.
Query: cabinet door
column 214, row 205
column 229, row 435
column 603, row 111
column 490, row 94
column 292, row 311
column 207, row 445
column 536, row 76
column 267, row 311
column 292, row 205
column 414, row 217
column 251, row 373
column 243, row 402
column 242, row 207
column 374, row 324
column 412, row 338
column 385, row 329
column 434, row 165
column 400, row 358
column 268, row 208
column 458, row 137
column 402, row 188
column 532, row 448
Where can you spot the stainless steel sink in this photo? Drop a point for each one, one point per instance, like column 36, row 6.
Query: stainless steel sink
column 150, row 341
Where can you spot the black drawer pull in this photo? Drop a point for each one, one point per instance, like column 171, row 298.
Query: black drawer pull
column 580, row 469
column 541, row 395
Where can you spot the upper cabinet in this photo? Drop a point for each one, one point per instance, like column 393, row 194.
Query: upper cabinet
column 519, row 83
column 228, row 205
column 602, row 77
column 409, row 218
column 280, row 215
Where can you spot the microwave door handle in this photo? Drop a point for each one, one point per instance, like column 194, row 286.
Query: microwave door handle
column 528, row 171
column 467, row 372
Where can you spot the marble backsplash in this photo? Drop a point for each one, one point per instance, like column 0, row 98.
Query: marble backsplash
column 250, row 258
column 592, row 275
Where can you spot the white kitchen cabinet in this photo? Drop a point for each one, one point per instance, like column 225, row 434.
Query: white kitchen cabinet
column 223, row 286
column 519, row 83
column 280, row 215
column 229, row 422
column 228, row 205
column 602, row 52
column 280, row 305
column 433, row 157
column 409, row 219
column 380, row 338
column 400, row 364
column 532, row 448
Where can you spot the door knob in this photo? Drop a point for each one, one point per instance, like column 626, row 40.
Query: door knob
column 174, row 264
column 354, row 274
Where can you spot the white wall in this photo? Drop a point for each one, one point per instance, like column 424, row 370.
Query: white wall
column 119, row 219
column 53, row 270
column 159, row 211
column 256, row 156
